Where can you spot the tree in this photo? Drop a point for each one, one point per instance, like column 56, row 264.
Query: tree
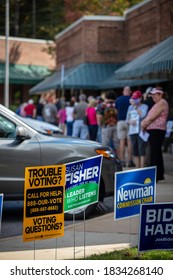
column 34, row 19
column 75, row 9
column 44, row 19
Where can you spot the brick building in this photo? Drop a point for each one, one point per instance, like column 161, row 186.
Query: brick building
column 94, row 47
column 146, row 25
column 110, row 39
column 29, row 63
column 91, row 39
column 93, row 43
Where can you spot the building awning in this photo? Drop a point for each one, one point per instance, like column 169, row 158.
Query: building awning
column 83, row 76
column 112, row 82
column 24, row 74
column 157, row 63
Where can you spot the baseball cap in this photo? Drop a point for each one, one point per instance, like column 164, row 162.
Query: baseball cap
column 136, row 94
column 156, row 90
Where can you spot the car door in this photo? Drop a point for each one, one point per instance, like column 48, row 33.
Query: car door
column 15, row 155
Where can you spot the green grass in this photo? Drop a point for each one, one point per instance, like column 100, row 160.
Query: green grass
column 132, row 254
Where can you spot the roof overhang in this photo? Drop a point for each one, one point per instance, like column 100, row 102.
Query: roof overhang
column 24, row 74
column 157, row 63
column 113, row 82
column 82, row 76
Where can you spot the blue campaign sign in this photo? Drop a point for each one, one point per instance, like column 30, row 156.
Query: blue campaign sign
column 1, row 204
column 82, row 183
column 156, row 227
column 133, row 188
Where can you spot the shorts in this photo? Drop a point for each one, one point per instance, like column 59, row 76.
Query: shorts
column 138, row 145
column 122, row 130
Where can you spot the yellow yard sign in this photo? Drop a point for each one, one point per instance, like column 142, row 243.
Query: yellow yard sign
column 44, row 202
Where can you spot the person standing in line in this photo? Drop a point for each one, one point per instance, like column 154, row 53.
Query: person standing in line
column 61, row 117
column 100, row 100
column 30, row 109
column 92, row 119
column 135, row 113
column 21, row 110
column 148, row 100
column 155, row 125
column 50, row 111
column 80, row 129
column 70, row 117
column 122, row 103
column 39, row 107
column 107, row 119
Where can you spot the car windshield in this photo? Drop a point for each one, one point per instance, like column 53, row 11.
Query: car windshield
column 7, row 128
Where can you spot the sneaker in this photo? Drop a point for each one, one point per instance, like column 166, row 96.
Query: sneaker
column 131, row 164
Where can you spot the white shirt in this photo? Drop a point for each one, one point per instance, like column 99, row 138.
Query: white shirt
column 69, row 113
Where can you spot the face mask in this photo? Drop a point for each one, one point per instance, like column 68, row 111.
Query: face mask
column 137, row 101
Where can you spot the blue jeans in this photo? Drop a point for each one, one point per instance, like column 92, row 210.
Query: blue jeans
column 69, row 128
column 80, row 129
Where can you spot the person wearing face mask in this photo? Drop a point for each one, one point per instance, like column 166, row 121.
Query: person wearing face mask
column 135, row 114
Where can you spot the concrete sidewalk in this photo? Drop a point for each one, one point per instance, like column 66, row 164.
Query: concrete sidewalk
column 92, row 236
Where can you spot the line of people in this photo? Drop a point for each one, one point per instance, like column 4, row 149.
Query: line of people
column 139, row 124
column 134, row 124
column 69, row 116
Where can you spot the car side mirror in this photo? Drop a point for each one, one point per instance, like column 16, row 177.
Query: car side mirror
column 21, row 133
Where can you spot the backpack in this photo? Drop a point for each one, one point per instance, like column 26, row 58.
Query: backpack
column 110, row 114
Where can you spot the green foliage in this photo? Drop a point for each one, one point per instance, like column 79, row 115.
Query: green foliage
column 99, row 7
column 44, row 19
column 34, row 19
